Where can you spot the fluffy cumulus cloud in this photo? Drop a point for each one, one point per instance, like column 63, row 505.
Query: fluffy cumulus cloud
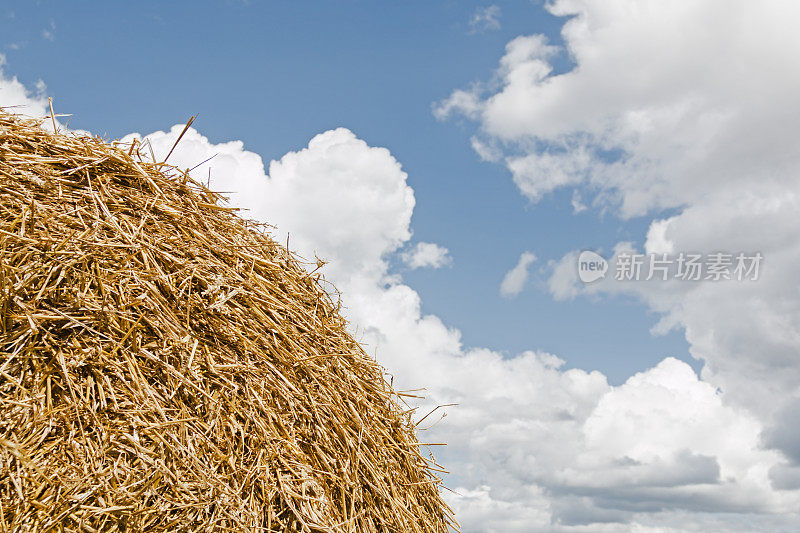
column 427, row 254
column 688, row 107
column 337, row 199
column 668, row 102
column 515, row 279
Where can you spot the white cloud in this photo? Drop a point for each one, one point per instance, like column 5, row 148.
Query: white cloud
column 49, row 32
column 337, row 198
column 485, row 19
column 486, row 151
column 538, row 174
column 577, row 203
column 464, row 102
column 427, row 254
column 564, row 283
column 515, row 279
column 16, row 98
column 649, row 128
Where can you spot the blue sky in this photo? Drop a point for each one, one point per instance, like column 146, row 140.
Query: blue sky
column 274, row 74
column 674, row 122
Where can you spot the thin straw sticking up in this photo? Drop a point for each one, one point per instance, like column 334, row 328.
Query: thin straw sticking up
column 52, row 114
column 185, row 128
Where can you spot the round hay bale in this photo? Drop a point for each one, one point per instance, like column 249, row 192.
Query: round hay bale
column 166, row 366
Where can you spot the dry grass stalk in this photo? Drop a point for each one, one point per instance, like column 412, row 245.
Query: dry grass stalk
column 166, row 366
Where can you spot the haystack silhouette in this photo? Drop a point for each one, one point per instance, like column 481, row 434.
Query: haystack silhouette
column 166, row 366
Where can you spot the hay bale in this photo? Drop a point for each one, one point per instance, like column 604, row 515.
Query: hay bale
column 166, row 366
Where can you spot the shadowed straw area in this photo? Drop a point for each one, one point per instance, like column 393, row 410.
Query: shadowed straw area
column 166, row 366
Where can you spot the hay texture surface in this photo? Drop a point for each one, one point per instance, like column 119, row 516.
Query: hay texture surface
column 166, row 366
